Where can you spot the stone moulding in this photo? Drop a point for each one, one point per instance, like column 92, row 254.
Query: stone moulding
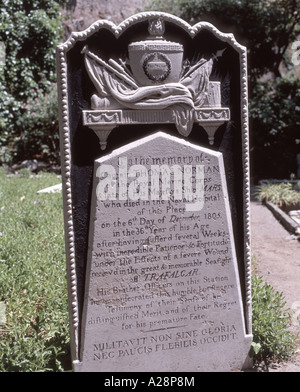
column 287, row 222
column 64, row 119
column 103, row 121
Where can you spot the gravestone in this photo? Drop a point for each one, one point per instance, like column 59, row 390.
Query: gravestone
column 154, row 142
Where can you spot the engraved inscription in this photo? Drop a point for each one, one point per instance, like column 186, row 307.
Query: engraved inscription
column 162, row 278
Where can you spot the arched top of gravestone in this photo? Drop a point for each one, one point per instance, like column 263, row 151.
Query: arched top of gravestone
column 118, row 30
column 153, row 49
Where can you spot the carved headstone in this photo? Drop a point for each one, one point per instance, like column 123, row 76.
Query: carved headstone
column 162, row 287
column 157, row 224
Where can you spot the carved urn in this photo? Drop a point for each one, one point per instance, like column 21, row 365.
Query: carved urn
column 155, row 60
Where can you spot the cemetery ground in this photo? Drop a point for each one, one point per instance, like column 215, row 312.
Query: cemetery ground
column 276, row 257
column 34, row 334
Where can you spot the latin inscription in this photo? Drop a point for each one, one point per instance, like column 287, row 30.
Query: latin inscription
column 163, row 341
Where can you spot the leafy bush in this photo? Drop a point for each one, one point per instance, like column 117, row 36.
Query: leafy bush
column 267, row 29
column 281, row 194
column 32, row 276
column 36, row 131
column 270, row 322
column 275, row 113
column 39, row 136
column 30, row 31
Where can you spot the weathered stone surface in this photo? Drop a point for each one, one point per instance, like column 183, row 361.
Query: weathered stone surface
column 162, row 288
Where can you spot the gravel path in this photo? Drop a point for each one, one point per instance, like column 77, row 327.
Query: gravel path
column 276, row 256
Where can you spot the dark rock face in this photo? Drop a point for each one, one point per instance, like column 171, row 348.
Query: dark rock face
column 80, row 14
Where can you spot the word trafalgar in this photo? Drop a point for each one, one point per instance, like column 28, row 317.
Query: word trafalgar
column 159, row 182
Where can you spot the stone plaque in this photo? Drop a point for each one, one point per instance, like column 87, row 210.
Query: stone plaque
column 154, row 145
column 162, row 285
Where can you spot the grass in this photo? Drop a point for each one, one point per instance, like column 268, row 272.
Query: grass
column 281, row 194
column 33, row 285
column 272, row 340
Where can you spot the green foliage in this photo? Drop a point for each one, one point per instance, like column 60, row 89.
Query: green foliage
column 39, row 136
column 270, row 322
column 30, row 30
column 267, row 28
column 32, row 276
column 281, row 194
column 275, row 112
